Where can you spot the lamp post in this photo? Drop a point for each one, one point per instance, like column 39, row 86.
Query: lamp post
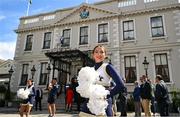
column 48, row 73
column 9, row 90
column 146, row 66
column 33, row 70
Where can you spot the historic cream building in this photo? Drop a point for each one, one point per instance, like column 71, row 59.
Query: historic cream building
column 129, row 29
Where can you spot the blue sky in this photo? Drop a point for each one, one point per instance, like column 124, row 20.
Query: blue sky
column 12, row 10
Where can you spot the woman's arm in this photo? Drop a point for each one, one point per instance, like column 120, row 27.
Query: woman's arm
column 119, row 87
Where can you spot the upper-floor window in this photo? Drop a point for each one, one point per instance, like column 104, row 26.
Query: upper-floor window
column 47, row 40
column 43, row 74
column 24, row 75
column 65, row 40
column 128, row 30
column 161, row 66
column 157, row 28
column 125, row 3
column 130, row 69
column 102, row 33
column 28, row 46
column 148, row 1
column 83, row 35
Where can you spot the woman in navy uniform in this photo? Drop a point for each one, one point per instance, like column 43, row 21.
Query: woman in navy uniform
column 107, row 74
column 26, row 106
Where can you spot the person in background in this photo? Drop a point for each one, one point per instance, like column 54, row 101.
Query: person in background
column 69, row 98
column 123, row 101
column 153, row 107
column 137, row 99
column 77, row 97
column 146, row 95
column 38, row 98
column 26, row 106
column 161, row 96
column 53, row 89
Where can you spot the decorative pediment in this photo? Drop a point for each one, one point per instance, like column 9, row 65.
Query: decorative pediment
column 84, row 12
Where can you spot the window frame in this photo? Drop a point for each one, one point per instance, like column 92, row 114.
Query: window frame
column 129, row 30
column 66, row 38
column 47, row 40
column 28, row 44
column 24, row 74
column 43, row 77
column 162, row 66
column 80, row 36
column 103, row 33
column 157, row 27
column 133, row 68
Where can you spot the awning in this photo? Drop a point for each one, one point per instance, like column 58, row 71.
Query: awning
column 70, row 55
column 4, row 79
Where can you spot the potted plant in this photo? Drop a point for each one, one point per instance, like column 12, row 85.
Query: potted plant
column 176, row 100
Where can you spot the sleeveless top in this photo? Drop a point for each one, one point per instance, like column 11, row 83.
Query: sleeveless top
column 104, row 78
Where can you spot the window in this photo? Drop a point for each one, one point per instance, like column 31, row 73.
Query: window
column 157, row 29
column 161, row 66
column 128, row 30
column 47, row 40
column 83, row 35
column 28, row 43
column 102, row 33
column 148, row 1
column 66, row 38
column 125, row 3
column 43, row 74
column 24, row 75
column 130, row 69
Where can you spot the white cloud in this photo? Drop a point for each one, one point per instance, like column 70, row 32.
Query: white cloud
column 7, row 50
column 2, row 17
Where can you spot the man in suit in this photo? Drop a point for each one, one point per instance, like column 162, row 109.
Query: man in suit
column 161, row 96
column 38, row 98
column 146, row 95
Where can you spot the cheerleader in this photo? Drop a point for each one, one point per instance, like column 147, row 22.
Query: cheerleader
column 26, row 106
column 107, row 74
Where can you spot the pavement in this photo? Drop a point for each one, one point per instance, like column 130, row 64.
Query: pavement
column 13, row 112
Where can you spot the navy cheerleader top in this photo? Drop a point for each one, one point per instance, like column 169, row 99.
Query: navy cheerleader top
column 117, row 79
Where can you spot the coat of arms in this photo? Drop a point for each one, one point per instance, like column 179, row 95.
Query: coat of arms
column 84, row 14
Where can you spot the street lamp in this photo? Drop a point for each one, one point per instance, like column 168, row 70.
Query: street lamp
column 9, row 90
column 146, row 66
column 48, row 73
column 33, row 70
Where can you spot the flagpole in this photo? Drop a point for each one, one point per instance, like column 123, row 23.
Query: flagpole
column 27, row 13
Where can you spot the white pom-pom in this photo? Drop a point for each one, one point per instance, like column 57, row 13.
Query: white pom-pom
column 87, row 88
column 23, row 94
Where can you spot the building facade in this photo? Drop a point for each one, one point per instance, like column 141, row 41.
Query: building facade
column 130, row 30
column 5, row 66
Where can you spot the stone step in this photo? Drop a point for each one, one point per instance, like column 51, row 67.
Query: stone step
column 60, row 102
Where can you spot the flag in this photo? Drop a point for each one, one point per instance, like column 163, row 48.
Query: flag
column 61, row 39
column 30, row 1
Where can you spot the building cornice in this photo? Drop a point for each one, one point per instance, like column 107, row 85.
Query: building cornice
column 151, row 47
column 151, row 10
column 121, row 14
